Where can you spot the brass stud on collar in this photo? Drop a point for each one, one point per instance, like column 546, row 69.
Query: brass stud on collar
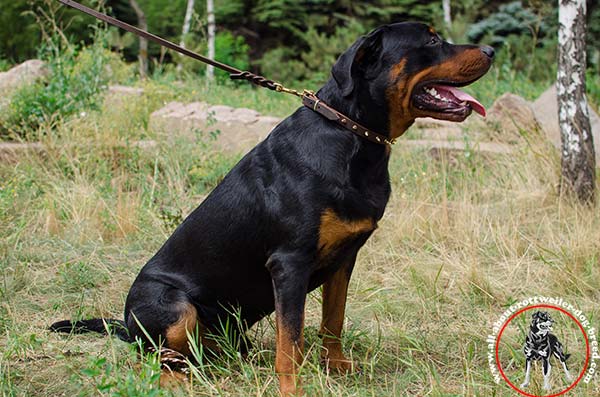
column 354, row 127
column 378, row 139
column 343, row 121
column 366, row 133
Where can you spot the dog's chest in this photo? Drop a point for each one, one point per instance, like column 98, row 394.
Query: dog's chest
column 335, row 233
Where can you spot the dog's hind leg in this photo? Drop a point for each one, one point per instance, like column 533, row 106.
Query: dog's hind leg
column 527, row 373
column 547, row 368
column 163, row 317
column 563, row 362
column 562, row 357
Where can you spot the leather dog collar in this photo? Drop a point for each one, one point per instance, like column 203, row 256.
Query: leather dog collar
column 310, row 100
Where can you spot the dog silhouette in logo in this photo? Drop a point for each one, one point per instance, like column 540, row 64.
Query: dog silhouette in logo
column 541, row 344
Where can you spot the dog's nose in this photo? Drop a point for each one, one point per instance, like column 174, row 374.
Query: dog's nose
column 487, row 50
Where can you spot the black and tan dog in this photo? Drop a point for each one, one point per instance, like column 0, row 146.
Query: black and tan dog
column 541, row 344
column 294, row 212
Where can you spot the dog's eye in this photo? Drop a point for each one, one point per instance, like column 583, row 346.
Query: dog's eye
column 433, row 41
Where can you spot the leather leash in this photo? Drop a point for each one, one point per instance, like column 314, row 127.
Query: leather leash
column 309, row 98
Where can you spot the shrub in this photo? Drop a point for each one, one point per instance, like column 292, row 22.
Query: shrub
column 77, row 77
column 229, row 49
column 313, row 66
column 4, row 65
column 511, row 19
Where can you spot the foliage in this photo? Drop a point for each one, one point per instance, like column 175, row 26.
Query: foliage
column 4, row 65
column 593, row 89
column 108, row 379
column 312, row 66
column 18, row 31
column 511, row 19
column 77, row 77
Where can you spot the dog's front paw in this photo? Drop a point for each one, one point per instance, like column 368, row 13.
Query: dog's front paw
column 547, row 386
column 340, row 365
column 569, row 377
column 524, row 385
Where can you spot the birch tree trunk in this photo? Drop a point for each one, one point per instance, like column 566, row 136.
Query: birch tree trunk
column 142, row 24
column 447, row 14
column 578, row 158
column 210, row 11
column 187, row 22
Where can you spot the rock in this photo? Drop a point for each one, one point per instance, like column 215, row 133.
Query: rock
column 13, row 152
column 428, row 122
column 546, row 111
column 118, row 96
column 25, row 73
column 125, row 90
column 481, row 147
column 510, row 115
column 238, row 130
column 429, row 128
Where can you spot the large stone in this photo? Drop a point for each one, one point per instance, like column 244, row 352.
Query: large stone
column 429, row 128
column 119, row 96
column 22, row 74
column 511, row 115
column 546, row 111
column 237, row 130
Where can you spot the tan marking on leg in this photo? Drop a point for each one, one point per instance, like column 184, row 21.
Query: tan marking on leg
column 177, row 333
column 172, row 379
column 335, row 291
column 288, row 358
column 334, row 230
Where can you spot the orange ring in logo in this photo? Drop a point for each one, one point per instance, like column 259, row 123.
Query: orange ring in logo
column 587, row 346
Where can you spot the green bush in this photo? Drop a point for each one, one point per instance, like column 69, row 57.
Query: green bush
column 314, row 64
column 4, row 65
column 593, row 89
column 229, row 49
column 77, row 77
column 511, row 19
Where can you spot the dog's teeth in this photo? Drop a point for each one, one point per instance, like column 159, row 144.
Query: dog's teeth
column 433, row 92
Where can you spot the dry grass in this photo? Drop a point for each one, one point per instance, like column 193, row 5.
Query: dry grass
column 464, row 236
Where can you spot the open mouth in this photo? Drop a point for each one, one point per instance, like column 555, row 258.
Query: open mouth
column 446, row 101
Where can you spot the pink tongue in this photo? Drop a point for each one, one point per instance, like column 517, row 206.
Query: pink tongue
column 462, row 96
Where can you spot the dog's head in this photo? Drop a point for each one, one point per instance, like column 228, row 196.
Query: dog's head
column 541, row 323
column 406, row 70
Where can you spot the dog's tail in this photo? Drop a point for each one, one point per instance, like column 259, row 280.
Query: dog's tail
column 100, row 325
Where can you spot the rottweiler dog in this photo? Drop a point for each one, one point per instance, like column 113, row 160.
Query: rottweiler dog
column 541, row 344
column 293, row 213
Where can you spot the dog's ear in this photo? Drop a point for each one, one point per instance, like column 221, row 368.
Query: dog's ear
column 363, row 53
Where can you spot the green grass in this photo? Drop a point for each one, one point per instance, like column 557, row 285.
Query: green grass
column 462, row 238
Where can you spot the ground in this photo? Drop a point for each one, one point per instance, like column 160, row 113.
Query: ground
column 465, row 235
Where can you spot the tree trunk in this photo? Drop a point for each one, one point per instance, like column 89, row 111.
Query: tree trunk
column 578, row 158
column 447, row 14
column 142, row 24
column 210, row 11
column 187, row 22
